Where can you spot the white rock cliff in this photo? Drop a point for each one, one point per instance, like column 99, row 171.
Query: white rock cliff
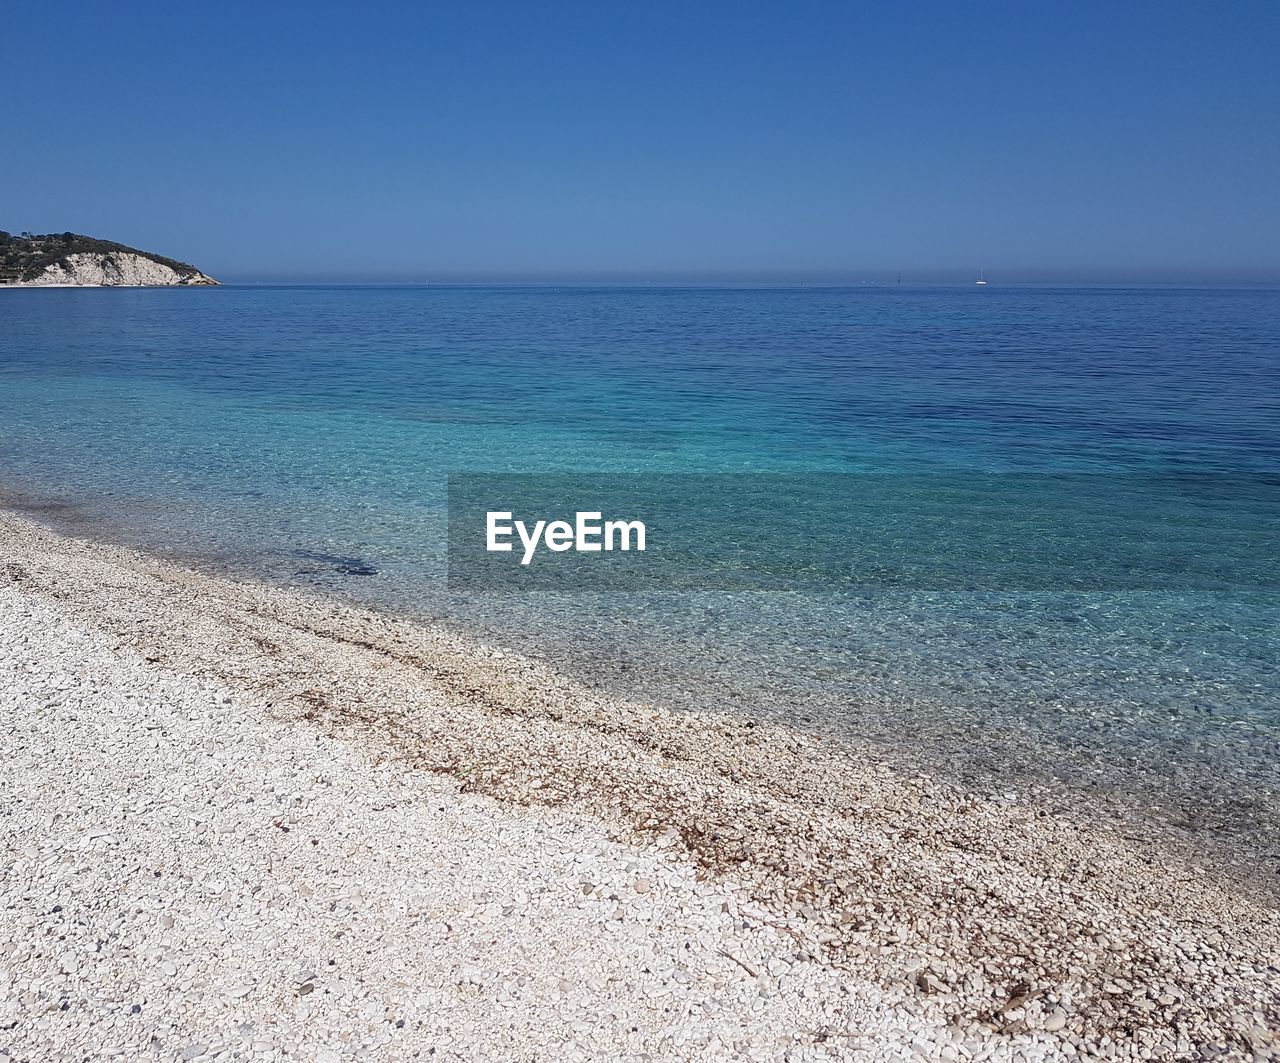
column 112, row 268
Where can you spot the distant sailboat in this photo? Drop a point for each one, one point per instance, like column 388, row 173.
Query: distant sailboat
column 982, row 277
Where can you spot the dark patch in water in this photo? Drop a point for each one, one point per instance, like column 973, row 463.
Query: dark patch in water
column 343, row 566
column 32, row 506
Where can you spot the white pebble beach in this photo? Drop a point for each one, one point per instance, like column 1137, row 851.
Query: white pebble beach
column 242, row 822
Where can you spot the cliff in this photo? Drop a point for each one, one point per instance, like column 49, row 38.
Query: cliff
column 71, row 259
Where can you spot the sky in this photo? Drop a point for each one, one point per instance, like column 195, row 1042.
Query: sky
column 562, row 141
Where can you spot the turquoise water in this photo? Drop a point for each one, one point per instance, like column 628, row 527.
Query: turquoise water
column 305, row 435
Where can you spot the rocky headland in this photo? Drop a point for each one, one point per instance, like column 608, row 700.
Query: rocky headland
column 61, row 260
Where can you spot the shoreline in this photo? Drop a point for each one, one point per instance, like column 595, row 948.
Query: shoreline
column 988, row 927
column 1217, row 828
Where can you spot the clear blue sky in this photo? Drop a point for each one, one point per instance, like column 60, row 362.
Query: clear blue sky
column 653, row 140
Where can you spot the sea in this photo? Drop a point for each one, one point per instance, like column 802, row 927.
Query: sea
column 308, row 436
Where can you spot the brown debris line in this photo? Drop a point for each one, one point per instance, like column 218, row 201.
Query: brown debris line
column 998, row 915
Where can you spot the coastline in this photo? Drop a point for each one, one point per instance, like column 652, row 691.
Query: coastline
column 861, row 910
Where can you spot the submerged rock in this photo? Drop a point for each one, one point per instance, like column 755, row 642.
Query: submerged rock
column 339, row 563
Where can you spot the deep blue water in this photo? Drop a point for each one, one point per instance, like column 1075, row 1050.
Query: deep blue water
column 278, row 431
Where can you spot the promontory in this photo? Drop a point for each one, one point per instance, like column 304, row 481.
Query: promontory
column 72, row 260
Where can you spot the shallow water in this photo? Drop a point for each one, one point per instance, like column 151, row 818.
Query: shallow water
column 305, row 435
